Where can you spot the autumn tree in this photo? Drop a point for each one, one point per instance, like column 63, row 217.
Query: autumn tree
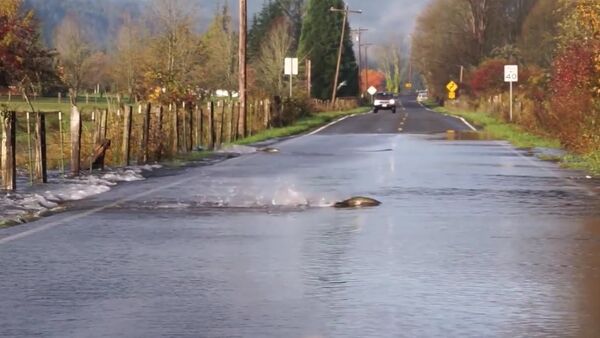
column 441, row 43
column 372, row 77
column 23, row 60
column 219, row 69
column 576, row 76
column 173, row 52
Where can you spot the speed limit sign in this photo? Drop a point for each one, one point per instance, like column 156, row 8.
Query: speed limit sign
column 511, row 73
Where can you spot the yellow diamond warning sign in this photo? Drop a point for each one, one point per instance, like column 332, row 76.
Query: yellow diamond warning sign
column 452, row 86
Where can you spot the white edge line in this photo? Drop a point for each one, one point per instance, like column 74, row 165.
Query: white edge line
column 467, row 123
column 330, row 124
column 456, row 117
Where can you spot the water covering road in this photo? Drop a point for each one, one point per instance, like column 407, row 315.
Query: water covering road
column 473, row 239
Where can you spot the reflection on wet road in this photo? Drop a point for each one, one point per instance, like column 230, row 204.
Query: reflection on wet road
column 472, row 239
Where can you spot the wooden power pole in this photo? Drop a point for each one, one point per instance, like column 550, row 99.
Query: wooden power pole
column 359, row 32
column 241, row 129
column 346, row 10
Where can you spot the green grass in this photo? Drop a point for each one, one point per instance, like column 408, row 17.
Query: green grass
column 521, row 138
column 503, row 131
column 302, row 126
column 588, row 162
column 46, row 104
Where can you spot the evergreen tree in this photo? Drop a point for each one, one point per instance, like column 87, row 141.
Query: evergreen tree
column 271, row 13
column 261, row 24
column 319, row 42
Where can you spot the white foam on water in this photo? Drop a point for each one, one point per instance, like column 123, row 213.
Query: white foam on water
column 281, row 193
column 59, row 190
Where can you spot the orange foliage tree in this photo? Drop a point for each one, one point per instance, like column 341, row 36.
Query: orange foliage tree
column 375, row 78
column 575, row 86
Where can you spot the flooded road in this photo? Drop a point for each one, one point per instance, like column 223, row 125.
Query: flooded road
column 473, row 239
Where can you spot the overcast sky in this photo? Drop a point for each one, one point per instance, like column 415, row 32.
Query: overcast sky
column 385, row 19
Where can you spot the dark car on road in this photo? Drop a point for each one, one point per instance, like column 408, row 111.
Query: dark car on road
column 384, row 101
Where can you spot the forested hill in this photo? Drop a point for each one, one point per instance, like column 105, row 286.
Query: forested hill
column 103, row 18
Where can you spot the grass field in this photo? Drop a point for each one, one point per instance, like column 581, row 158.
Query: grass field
column 47, row 104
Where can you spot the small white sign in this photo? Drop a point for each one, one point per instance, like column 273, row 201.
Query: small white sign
column 372, row 90
column 291, row 66
column 511, row 73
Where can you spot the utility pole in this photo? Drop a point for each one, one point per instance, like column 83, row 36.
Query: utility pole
column 309, row 77
column 359, row 32
column 366, row 45
column 241, row 127
column 346, row 10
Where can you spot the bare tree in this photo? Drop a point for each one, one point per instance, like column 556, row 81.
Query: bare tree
column 74, row 51
column 274, row 49
column 129, row 58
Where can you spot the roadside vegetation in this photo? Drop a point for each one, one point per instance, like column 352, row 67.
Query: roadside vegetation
column 557, row 47
column 520, row 137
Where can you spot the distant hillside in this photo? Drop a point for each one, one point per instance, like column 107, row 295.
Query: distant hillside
column 102, row 18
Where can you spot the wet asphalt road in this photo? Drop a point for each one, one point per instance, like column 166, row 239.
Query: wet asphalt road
column 473, row 239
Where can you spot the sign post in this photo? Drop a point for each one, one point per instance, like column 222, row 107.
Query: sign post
column 291, row 68
column 511, row 74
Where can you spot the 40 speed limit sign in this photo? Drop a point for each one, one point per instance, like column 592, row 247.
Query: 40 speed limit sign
column 511, row 73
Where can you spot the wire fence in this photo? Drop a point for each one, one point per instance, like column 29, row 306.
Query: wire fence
column 75, row 141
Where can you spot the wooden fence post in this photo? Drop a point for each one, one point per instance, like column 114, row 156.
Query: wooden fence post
column 104, row 124
column 159, row 147
column 41, row 164
column 197, row 126
column 175, row 130
column 222, row 137
column 232, row 123
column 143, row 156
column 190, row 117
column 213, row 132
column 184, row 127
column 127, row 136
column 75, row 140
column 8, row 153
column 267, row 122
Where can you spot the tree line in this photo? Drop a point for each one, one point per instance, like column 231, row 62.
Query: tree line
column 555, row 43
column 159, row 53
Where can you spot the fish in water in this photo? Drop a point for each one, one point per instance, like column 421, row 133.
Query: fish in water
column 269, row 150
column 357, row 202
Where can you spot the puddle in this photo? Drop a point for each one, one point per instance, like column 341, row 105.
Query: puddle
column 454, row 135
